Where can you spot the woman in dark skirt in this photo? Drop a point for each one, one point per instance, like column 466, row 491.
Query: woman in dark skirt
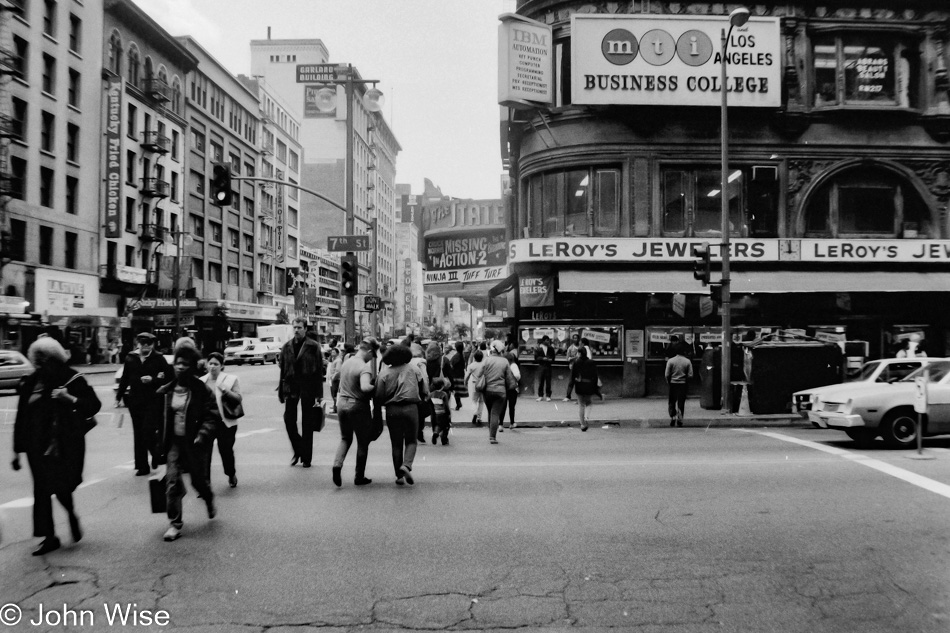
column 54, row 406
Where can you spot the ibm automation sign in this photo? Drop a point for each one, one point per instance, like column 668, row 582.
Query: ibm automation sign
column 673, row 60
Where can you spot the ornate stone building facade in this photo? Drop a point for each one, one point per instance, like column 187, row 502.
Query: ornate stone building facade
column 839, row 177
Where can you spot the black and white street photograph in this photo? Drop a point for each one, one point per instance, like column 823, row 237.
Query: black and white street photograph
column 475, row 315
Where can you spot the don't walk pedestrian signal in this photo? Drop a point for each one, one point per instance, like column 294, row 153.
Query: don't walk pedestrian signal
column 701, row 266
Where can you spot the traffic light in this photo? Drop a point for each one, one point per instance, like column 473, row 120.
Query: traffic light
column 221, row 194
column 349, row 275
column 701, row 265
column 715, row 293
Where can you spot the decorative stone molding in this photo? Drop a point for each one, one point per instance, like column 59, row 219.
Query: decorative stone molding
column 935, row 174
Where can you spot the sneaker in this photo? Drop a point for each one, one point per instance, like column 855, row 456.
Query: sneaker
column 501, row 429
column 492, row 440
column 547, row 400
column 172, row 533
column 406, row 473
column 514, row 425
column 672, row 421
column 400, row 482
column 539, row 399
column 566, row 400
column 435, row 436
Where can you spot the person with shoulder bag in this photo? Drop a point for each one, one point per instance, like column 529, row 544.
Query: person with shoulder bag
column 357, row 384
column 512, row 393
column 227, row 395
column 498, row 381
column 54, row 409
column 400, row 387
column 473, row 376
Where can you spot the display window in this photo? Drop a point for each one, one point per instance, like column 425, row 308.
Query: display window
column 605, row 341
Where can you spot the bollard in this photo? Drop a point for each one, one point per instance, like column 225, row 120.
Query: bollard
column 744, row 402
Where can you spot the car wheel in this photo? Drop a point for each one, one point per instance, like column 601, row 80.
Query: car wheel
column 863, row 437
column 899, row 428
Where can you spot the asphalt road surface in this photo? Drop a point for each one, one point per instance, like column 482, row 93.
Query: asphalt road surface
column 619, row 528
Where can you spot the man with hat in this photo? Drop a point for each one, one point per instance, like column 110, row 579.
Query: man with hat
column 142, row 375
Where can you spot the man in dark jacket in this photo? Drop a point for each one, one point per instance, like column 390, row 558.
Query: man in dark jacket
column 142, row 375
column 544, row 357
column 301, row 381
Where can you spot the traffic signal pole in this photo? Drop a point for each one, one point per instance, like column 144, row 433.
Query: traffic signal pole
column 349, row 301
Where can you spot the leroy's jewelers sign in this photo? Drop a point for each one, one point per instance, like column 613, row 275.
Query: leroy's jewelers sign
column 669, row 60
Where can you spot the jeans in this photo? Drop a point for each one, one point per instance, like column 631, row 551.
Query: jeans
column 225, row 438
column 495, row 403
column 403, row 423
column 355, row 419
column 301, row 442
column 544, row 381
column 512, row 402
column 185, row 459
column 677, row 400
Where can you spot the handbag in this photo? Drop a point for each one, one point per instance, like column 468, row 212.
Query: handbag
column 233, row 410
column 482, row 382
column 89, row 423
column 156, row 493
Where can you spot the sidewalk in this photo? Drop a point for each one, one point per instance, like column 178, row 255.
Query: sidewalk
column 636, row 412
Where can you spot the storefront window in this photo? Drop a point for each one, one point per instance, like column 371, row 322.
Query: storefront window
column 865, row 69
column 605, row 342
column 692, row 202
column 574, row 202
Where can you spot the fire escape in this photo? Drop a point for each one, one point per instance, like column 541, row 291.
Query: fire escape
column 155, row 145
column 10, row 128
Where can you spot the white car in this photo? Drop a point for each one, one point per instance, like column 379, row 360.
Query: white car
column 868, row 410
column 237, row 345
column 883, row 370
column 257, row 353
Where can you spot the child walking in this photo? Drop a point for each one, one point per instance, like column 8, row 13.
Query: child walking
column 439, row 393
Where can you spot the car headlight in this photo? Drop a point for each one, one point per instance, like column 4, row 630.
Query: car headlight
column 848, row 406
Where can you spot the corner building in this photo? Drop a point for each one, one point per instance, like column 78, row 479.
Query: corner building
column 839, row 178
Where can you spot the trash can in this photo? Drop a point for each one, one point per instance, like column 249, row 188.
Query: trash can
column 710, row 373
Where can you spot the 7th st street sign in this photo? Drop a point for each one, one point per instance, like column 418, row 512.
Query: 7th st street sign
column 347, row 243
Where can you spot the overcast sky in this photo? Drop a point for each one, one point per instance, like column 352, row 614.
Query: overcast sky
column 436, row 61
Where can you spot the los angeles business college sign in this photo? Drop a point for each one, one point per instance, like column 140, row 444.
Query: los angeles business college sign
column 674, row 61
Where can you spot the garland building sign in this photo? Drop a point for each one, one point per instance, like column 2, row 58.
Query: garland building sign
column 674, row 61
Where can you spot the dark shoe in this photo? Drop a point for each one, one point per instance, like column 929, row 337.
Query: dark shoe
column 421, row 439
column 457, row 407
column 363, row 481
column 337, row 479
column 400, row 482
column 74, row 528
column 141, row 472
column 445, row 441
column 295, row 460
column 232, row 481
column 306, row 464
column 492, row 440
column 154, row 462
column 435, row 436
column 583, row 427
column 406, row 473
column 212, row 511
column 48, row 545
column 672, row 421
column 679, row 423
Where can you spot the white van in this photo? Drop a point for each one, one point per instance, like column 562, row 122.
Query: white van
column 236, row 345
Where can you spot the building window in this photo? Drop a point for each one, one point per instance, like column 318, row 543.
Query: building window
column 115, row 53
column 198, row 141
column 130, row 214
column 232, row 276
column 197, row 268
column 75, row 34
column 130, row 256
column 21, row 58
column 291, row 246
column 72, row 186
column 198, row 182
column 582, row 201
column 46, row 246
column 217, row 151
column 70, row 252
column 234, row 239
column 131, row 122
column 215, row 231
column 49, row 17
column 197, row 225
column 133, row 69
column 214, row 272
column 281, row 151
column 130, row 159
column 18, row 173
column 49, row 74
column 74, row 88
column 47, row 177
column 175, row 140
column 72, row 142
column 292, row 217
column 248, row 243
column 18, row 240
column 294, row 161
column 174, row 186
column 20, row 120
column 248, row 279
column 47, row 132
column 865, row 69
column 248, row 207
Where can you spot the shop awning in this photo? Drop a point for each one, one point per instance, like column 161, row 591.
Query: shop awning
column 744, row 282
column 505, row 285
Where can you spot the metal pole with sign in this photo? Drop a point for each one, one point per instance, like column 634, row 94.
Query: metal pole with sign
column 920, row 406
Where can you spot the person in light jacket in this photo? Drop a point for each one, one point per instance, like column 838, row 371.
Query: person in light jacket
column 498, row 381
column 400, row 387
column 228, row 386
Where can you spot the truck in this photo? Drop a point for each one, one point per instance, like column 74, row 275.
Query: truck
column 277, row 334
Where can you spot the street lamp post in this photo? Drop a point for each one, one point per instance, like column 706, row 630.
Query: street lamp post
column 738, row 17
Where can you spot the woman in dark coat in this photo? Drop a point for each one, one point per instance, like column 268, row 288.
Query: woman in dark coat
column 457, row 362
column 54, row 405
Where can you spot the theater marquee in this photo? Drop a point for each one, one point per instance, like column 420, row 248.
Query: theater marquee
column 674, row 61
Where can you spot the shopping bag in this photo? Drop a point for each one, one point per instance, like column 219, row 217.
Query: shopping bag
column 156, row 491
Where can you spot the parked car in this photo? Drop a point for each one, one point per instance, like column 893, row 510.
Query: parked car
column 169, row 358
column 13, row 367
column 257, row 353
column 883, row 370
column 867, row 410
column 236, row 345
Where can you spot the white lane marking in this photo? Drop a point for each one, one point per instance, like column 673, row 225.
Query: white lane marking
column 888, row 469
column 90, row 482
column 25, row 502
column 254, row 432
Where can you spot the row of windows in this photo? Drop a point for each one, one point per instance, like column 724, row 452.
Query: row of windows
column 859, row 202
column 48, row 247
column 240, row 121
column 48, row 184
column 144, row 80
column 21, row 70
column 51, row 21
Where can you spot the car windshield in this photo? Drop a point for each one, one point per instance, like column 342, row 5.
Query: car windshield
column 936, row 372
column 868, row 370
column 238, row 342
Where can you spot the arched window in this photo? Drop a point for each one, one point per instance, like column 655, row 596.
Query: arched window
column 176, row 95
column 133, row 76
column 149, row 71
column 115, row 53
column 867, row 201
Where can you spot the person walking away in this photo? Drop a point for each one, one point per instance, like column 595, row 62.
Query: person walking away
column 53, row 405
column 472, row 375
column 190, row 420
column 544, row 357
column 333, row 375
column 142, row 375
column 498, row 381
column 571, row 358
column 585, row 379
column 679, row 369
column 400, row 387
column 227, row 387
column 301, row 382
column 437, row 366
column 440, row 388
column 357, row 385
column 512, row 358
column 457, row 361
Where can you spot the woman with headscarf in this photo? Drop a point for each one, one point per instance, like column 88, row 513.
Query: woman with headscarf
column 54, row 406
column 191, row 417
column 400, row 387
column 498, row 381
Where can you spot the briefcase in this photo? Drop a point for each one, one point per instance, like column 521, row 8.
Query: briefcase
column 156, row 492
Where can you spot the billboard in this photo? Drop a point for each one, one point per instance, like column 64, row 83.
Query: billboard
column 466, row 257
column 525, row 62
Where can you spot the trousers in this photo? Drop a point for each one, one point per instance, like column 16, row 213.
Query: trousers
column 301, row 441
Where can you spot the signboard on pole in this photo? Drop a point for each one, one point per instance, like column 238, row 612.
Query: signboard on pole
column 315, row 73
column 371, row 303
column 920, row 392
column 347, row 243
